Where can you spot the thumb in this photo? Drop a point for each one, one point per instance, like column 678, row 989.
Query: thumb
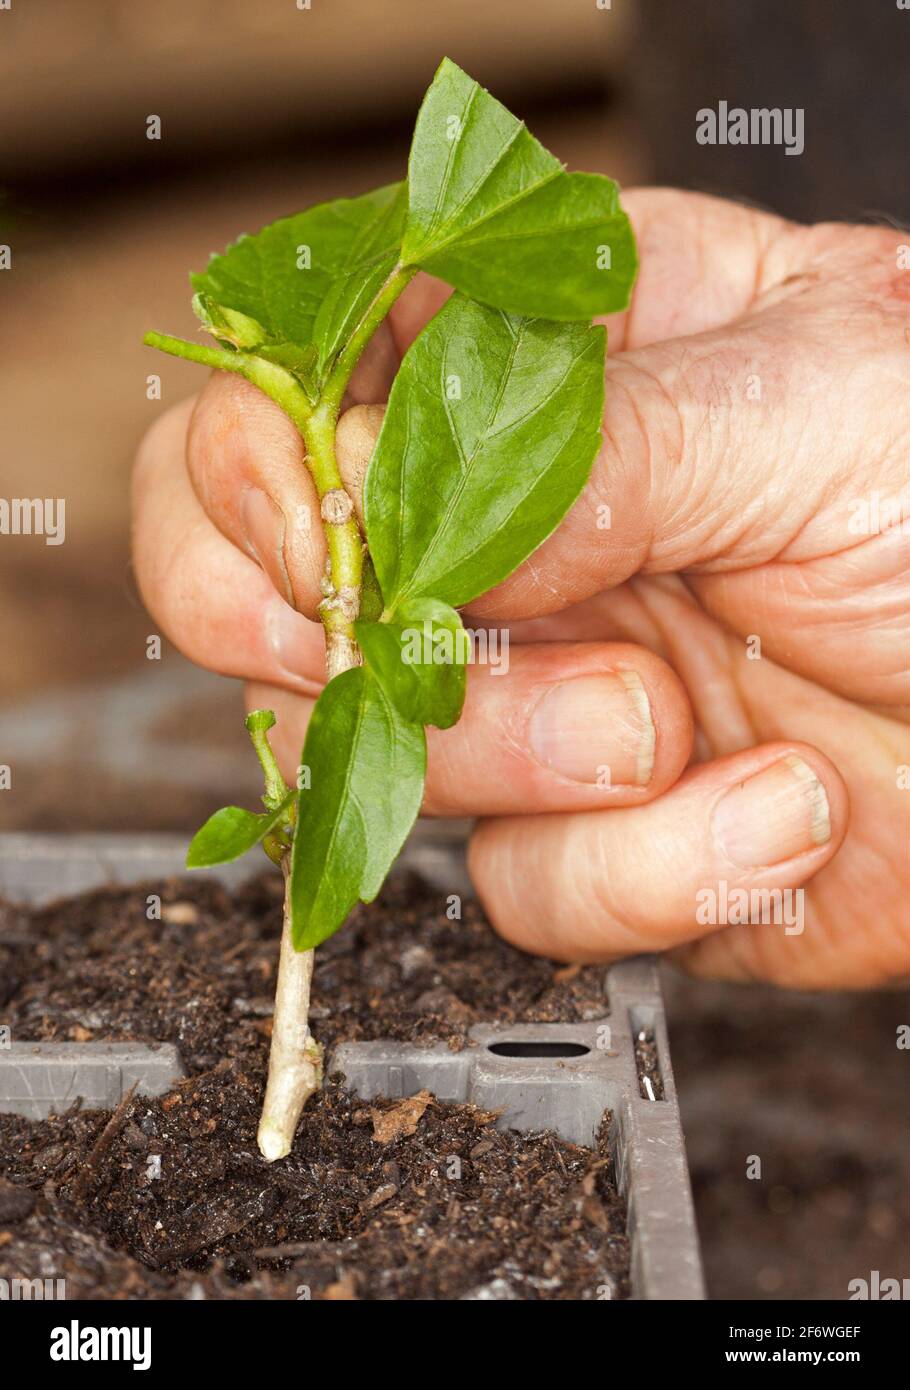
column 750, row 828
column 356, row 434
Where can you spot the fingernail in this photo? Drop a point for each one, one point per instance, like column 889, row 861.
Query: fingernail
column 264, row 528
column 296, row 642
column 772, row 816
column 596, row 729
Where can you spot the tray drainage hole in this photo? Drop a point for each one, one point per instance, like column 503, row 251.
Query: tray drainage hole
column 647, row 1064
column 538, row 1049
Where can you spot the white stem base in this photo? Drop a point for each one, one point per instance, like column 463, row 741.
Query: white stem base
column 295, row 1060
column 341, row 654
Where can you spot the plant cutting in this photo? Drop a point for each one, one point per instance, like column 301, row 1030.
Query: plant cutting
column 492, row 426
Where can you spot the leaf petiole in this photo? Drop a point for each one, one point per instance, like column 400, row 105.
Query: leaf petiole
column 340, row 374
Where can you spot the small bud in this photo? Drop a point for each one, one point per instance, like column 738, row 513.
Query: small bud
column 349, row 602
column 336, row 507
column 228, row 325
column 344, row 601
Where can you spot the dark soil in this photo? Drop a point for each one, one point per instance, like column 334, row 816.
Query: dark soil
column 95, row 967
column 408, row 1199
column 647, row 1061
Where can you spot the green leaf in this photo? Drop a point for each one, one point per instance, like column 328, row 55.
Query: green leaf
column 367, row 766
column 230, row 832
column 497, row 216
column 306, row 280
column 370, row 261
column 419, row 660
column 371, row 604
column 491, row 429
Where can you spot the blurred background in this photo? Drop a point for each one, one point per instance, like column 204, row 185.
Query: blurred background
column 265, row 107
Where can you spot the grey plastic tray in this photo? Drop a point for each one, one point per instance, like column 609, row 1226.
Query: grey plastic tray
column 541, row 1076
column 41, row 1079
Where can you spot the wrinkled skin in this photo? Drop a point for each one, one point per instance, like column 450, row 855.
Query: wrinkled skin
column 757, row 399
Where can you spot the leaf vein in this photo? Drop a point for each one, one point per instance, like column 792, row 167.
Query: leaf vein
column 469, row 462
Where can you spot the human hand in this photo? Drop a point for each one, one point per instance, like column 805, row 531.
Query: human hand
column 756, row 403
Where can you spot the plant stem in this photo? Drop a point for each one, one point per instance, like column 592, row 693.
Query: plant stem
column 278, row 383
column 336, row 385
column 344, row 577
column 344, row 571
column 295, row 1059
column 258, row 722
column 195, row 352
